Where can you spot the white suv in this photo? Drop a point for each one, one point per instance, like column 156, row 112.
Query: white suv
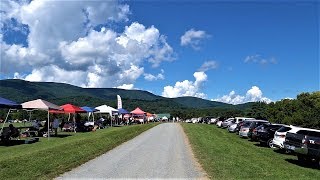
column 280, row 135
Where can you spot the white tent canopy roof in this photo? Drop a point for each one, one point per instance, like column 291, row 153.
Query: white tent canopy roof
column 40, row 104
column 106, row 109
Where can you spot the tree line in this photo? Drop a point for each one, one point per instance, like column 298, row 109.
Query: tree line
column 303, row 111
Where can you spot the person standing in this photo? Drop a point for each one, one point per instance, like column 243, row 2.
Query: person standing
column 55, row 126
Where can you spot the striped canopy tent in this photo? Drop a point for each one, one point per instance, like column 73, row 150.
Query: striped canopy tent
column 40, row 104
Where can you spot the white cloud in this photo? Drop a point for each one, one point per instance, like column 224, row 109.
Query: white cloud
column 59, row 44
column 193, row 38
column 208, row 65
column 186, row 87
column 253, row 95
column 151, row 77
column 126, row 86
column 258, row 59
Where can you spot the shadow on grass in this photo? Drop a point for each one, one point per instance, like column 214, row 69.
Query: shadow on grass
column 261, row 145
column 283, row 151
column 311, row 165
column 18, row 142
column 60, row 136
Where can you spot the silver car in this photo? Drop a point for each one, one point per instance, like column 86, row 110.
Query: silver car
column 232, row 127
column 227, row 122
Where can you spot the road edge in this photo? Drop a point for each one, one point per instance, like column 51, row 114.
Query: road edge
column 193, row 157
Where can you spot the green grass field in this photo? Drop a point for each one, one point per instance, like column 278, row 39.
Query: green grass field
column 48, row 158
column 224, row 155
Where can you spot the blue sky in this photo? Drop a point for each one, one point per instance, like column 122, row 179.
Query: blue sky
column 253, row 51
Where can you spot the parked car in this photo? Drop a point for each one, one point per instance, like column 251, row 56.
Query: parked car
column 280, row 135
column 233, row 127
column 227, row 122
column 219, row 123
column 194, row 120
column 245, row 128
column 306, row 145
column 210, row 119
column 255, row 135
column 266, row 133
column 254, row 125
column 236, row 123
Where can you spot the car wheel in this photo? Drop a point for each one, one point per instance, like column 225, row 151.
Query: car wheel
column 270, row 143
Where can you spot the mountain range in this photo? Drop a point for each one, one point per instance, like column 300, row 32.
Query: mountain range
column 60, row 93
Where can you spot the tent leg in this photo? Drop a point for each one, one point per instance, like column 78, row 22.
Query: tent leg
column 74, row 122
column 5, row 121
column 48, row 125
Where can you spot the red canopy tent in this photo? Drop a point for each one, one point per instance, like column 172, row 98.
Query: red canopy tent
column 69, row 109
column 138, row 111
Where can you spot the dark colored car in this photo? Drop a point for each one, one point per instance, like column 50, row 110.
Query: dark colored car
column 254, row 125
column 265, row 133
column 306, row 145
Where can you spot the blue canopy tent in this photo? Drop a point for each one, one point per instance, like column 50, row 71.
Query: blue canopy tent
column 5, row 103
column 90, row 111
column 123, row 111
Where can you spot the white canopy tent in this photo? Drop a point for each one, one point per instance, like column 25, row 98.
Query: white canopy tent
column 40, row 104
column 106, row 109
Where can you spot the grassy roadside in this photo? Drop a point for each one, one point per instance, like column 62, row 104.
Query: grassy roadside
column 226, row 156
column 49, row 158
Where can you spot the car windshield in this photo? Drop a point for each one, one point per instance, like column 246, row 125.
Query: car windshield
column 284, row 129
column 247, row 124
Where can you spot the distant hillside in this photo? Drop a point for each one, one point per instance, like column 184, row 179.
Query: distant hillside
column 60, row 93
column 21, row 91
column 193, row 102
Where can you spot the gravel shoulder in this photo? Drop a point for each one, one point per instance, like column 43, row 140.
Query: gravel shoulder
column 161, row 152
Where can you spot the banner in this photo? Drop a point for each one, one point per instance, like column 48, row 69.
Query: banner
column 119, row 102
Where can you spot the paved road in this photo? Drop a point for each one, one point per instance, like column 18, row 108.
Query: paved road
column 161, row 152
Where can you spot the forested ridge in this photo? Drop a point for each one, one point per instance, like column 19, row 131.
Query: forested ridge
column 304, row 110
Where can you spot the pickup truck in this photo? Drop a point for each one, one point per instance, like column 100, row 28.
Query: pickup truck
column 306, row 145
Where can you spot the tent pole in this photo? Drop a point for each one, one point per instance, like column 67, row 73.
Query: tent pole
column 48, row 124
column 29, row 115
column 5, row 121
column 74, row 122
